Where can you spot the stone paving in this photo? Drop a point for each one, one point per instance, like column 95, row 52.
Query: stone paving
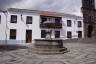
column 79, row 54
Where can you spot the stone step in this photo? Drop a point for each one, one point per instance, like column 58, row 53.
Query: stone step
column 49, row 51
column 40, row 52
column 47, row 46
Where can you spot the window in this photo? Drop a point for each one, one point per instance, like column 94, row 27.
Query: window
column 69, row 34
column 0, row 19
column 57, row 20
column 13, row 34
column 43, row 19
column 79, row 34
column 28, row 36
column 79, row 24
column 69, row 23
column 29, row 20
column 57, row 34
column 43, row 34
column 13, row 18
column 49, row 18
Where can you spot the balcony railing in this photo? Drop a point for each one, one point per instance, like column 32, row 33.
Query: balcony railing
column 51, row 25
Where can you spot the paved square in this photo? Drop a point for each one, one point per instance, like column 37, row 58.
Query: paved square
column 80, row 53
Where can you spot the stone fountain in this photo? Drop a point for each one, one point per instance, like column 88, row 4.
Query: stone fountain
column 49, row 45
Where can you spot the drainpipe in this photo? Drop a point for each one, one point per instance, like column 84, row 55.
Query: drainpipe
column 23, row 19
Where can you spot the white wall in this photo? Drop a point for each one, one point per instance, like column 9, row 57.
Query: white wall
column 74, row 28
column 21, row 26
column 2, row 28
column 95, row 4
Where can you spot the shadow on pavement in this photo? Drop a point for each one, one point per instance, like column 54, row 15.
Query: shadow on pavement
column 11, row 47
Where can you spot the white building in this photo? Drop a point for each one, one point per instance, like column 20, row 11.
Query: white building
column 21, row 26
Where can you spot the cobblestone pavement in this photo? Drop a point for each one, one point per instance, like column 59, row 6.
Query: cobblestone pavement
column 79, row 54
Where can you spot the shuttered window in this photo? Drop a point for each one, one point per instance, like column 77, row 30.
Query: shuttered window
column 13, row 18
column 29, row 20
column 79, row 24
column 12, row 33
column 69, row 23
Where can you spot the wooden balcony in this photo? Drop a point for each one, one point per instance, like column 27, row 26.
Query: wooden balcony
column 51, row 25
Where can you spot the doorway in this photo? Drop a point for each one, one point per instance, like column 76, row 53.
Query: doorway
column 28, row 36
column 57, row 34
column 90, row 30
column 79, row 34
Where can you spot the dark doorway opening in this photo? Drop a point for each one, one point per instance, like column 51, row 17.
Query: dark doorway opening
column 57, row 34
column 43, row 33
column 69, row 34
column 90, row 30
column 28, row 36
column 79, row 34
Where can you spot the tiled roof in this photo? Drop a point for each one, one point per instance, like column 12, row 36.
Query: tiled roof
column 46, row 13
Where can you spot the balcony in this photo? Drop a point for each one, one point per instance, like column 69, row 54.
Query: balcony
column 51, row 22
column 51, row 25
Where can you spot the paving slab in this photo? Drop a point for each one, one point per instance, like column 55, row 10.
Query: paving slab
column 79, row 54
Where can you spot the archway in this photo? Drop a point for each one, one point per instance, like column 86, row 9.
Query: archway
column 90, row 30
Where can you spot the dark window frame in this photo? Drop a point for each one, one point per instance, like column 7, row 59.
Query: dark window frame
column 43, row 33
column 29, row 18
column 13, row 33
column 28, row 36
column 57, row 20
column 79, row 24
column 57, row 35
column 79, row 34
column 43, row 19
column 69, row 34
column 69, row 23
column 13, row 18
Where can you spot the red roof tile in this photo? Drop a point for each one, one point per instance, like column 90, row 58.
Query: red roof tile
column 46, row 13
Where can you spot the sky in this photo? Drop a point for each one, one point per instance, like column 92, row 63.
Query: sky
column 65, row 6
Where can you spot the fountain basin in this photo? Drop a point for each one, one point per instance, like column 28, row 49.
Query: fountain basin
column 51, row 43
column 49, row 46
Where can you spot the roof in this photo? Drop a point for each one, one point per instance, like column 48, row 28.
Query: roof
column 45, row 13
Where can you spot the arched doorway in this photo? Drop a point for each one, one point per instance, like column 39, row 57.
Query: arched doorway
column 90, row 30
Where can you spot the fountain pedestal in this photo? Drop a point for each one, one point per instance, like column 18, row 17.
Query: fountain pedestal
column 49, row 46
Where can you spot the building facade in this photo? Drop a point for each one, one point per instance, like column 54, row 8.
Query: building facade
column 22, row 26
column 89, row 15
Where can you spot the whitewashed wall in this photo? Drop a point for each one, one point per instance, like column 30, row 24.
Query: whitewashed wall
column 21, row 27
column 2, row 28
column 95, row 4
column 74, row 28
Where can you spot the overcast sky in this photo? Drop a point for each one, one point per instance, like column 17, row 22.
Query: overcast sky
column 65, row 6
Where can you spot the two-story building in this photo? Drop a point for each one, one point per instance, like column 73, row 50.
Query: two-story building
column 22, row 26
